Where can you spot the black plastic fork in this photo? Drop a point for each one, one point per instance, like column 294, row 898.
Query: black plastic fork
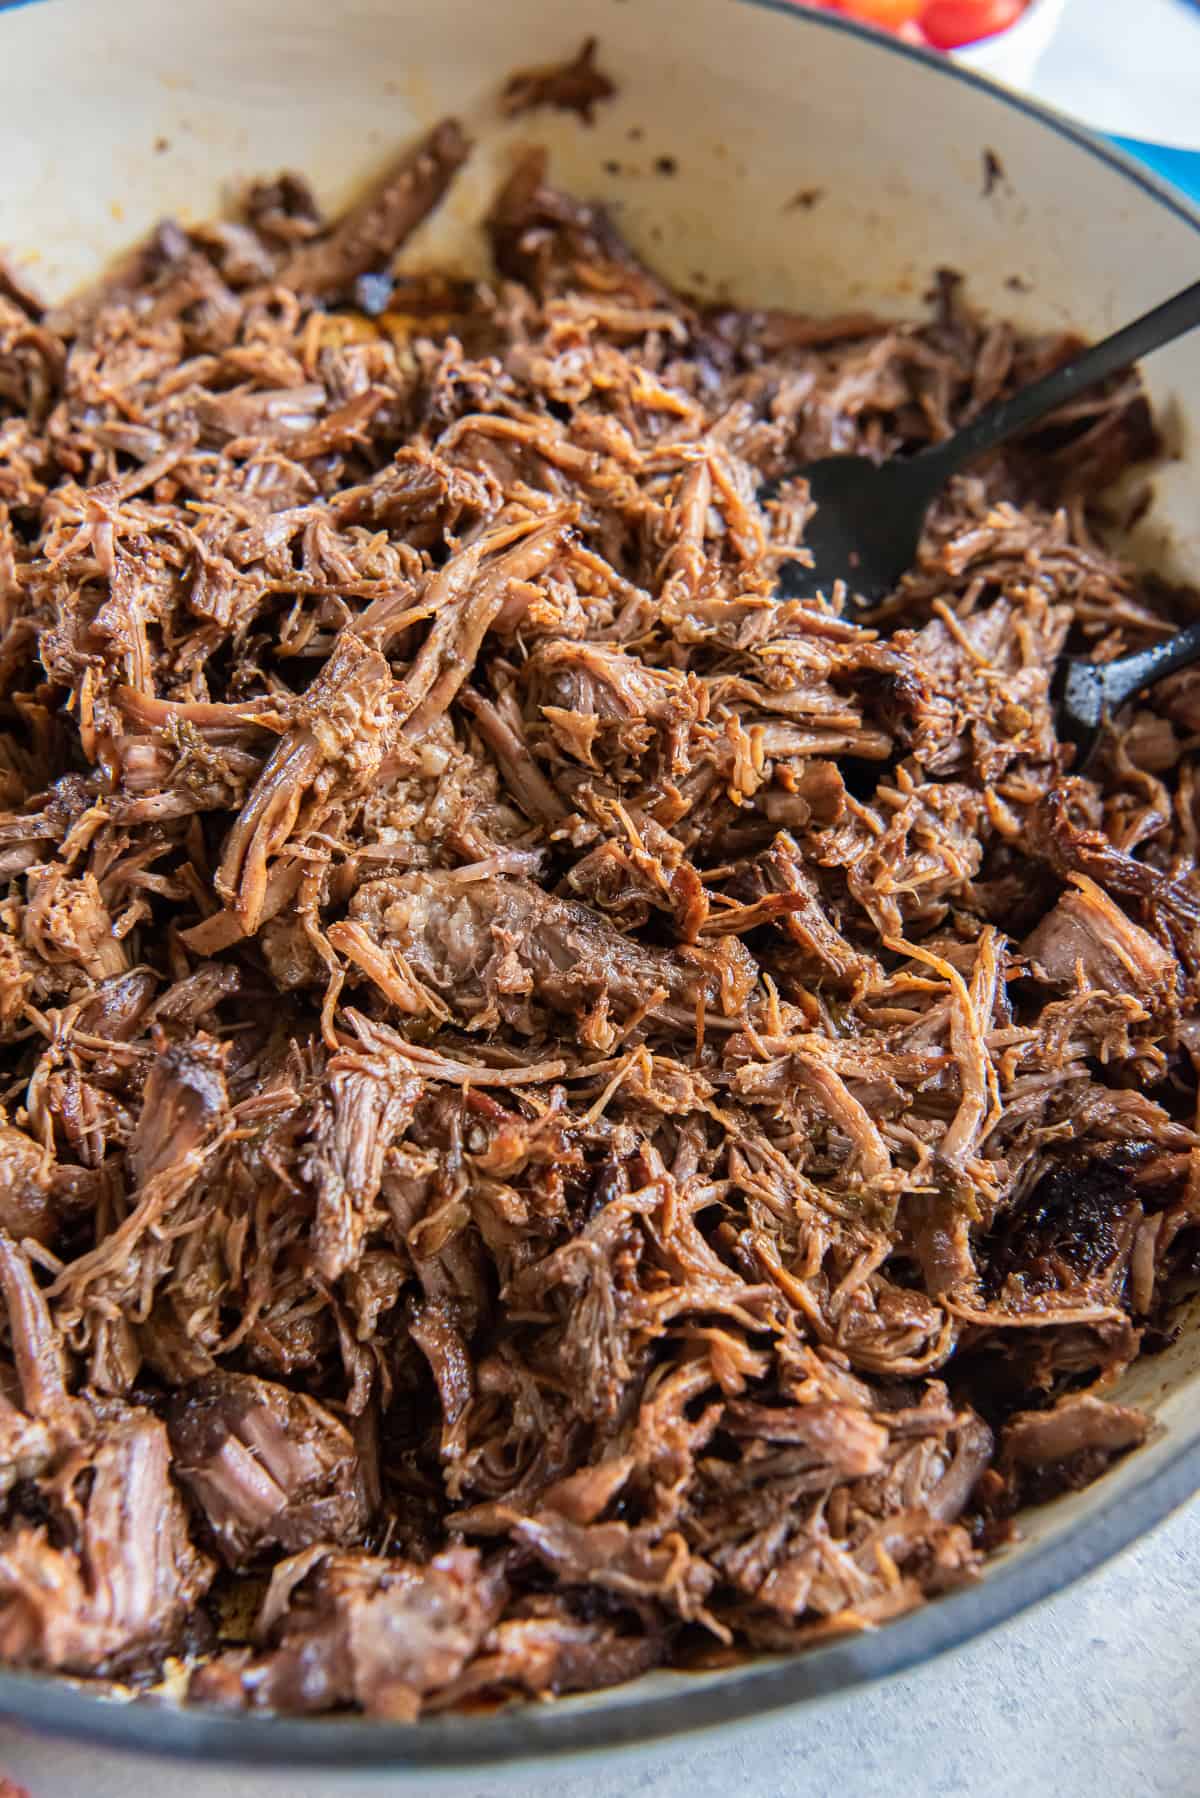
column 869, row 515
column 1086, row 694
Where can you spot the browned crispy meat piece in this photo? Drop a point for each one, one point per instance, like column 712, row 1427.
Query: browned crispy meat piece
column 543, row 1650
column 382, row 1634
column 1043, row 1453
column 1074, row 1426
column 379, row 224
column 27, row 1187
column 495, row 947
column 575, row 86
column 556, row 1104
column 1088, row 934
column 128, row 1575
column 269, row 1468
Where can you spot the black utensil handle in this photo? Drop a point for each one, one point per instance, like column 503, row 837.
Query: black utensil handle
column 997, row 423
column 1129, row 674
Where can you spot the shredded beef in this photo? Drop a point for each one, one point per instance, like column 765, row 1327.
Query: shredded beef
column 576, row 86
column 556, row 1102
column 269, row 1468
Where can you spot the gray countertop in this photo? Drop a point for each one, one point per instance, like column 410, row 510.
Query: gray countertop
column 1093, row 1692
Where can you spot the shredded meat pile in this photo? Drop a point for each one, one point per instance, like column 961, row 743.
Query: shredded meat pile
column 560, row 1108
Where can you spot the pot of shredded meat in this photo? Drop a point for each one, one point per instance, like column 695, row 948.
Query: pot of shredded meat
column 562, row 1113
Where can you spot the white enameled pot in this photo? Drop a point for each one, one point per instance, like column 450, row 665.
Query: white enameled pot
column 112, row 116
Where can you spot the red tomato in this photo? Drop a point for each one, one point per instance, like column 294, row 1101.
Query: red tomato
column 950, row 23
column 888, row 13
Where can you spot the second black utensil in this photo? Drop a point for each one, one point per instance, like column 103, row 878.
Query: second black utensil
column 870, row 515
column 1088, row 693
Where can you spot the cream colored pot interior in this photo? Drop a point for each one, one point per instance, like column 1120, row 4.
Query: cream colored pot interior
column 112, row 116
